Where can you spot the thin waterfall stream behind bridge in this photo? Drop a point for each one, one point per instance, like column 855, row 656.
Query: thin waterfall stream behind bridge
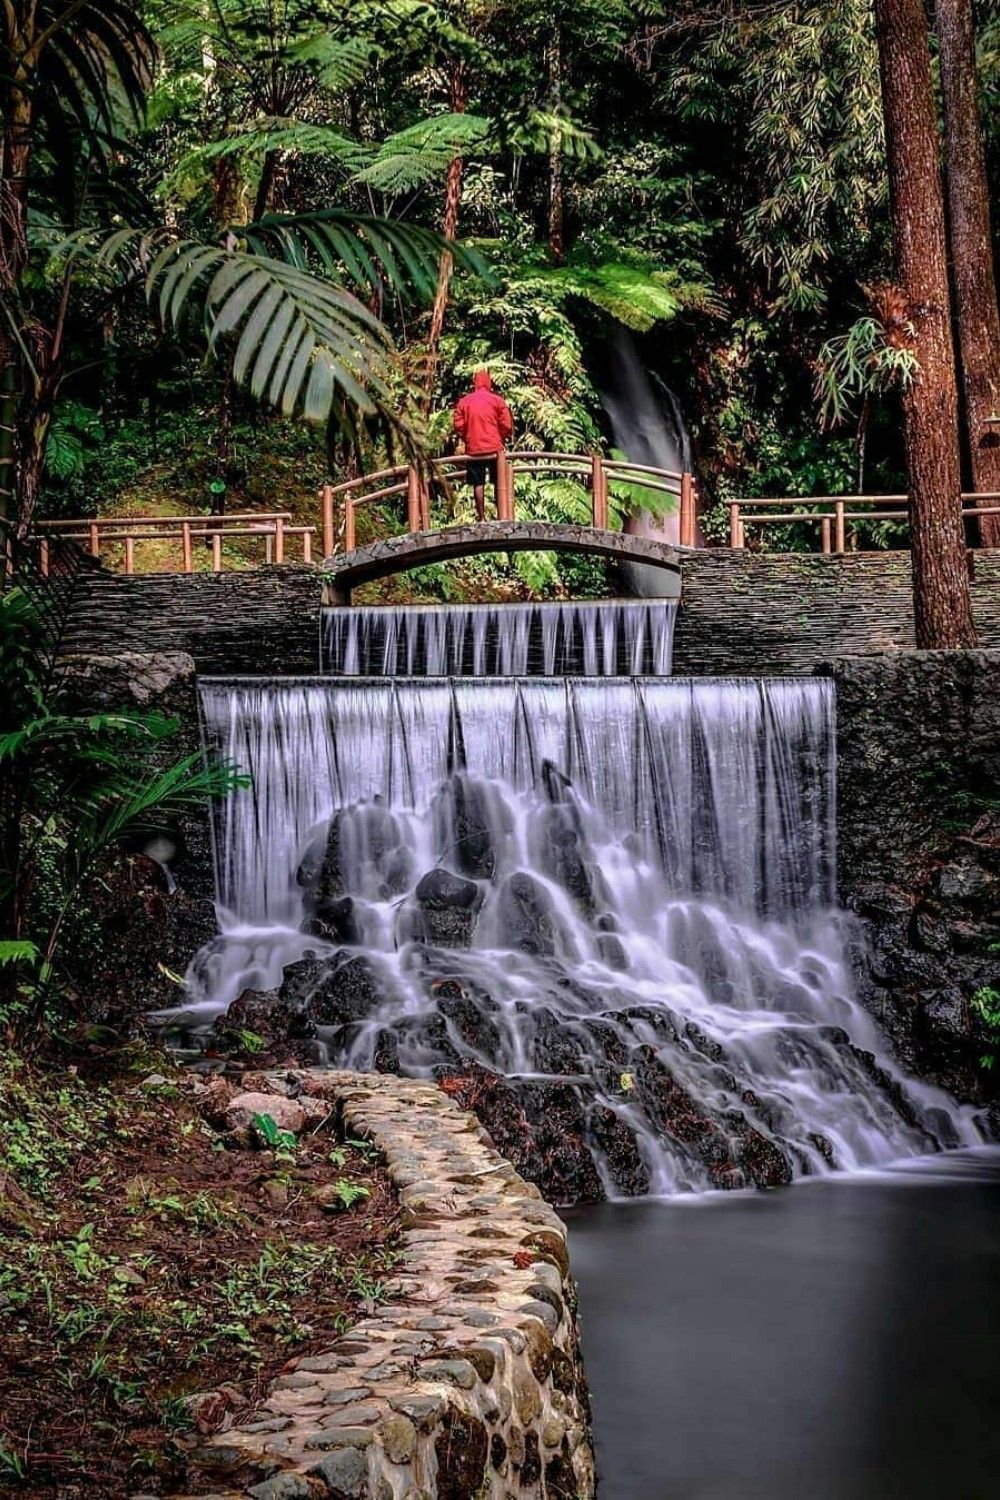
column 599, row 908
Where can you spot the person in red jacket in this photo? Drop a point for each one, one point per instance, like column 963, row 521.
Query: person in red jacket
column 484, row 423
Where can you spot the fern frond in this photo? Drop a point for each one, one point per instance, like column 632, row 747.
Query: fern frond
column 422, row 153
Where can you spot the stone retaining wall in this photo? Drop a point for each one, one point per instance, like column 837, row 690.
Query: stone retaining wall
column 742, row 614
column 749, row 615
column 471, row 1385
column 918, row 772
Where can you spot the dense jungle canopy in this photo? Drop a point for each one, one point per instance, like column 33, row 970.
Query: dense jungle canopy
column 224, row 216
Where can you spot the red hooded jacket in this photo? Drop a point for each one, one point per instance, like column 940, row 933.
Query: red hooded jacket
column 482, row 418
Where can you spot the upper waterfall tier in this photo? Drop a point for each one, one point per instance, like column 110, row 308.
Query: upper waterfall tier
column 726, row 785
column 607, row 638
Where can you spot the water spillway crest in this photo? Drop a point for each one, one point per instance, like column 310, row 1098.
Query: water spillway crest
column 601, row 909
column 628, row 637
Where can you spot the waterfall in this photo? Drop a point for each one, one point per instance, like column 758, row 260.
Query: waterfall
column 609, row 900
column 607, row 638
column 648, row 427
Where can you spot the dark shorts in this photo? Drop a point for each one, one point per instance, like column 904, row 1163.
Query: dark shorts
column 481, row 471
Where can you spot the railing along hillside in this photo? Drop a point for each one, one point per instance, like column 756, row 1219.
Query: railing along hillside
column 836, row 514
column 104, row 535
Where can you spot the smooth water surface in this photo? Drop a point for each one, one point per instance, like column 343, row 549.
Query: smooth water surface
column 836, row 1340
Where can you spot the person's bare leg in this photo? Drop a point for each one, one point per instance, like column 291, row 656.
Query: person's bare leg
column 479, row 495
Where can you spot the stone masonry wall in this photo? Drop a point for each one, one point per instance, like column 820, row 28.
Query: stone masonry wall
column 260, row 623
column 742, row 614
column 470, row 1386
column 918, row 794
column 749, row 615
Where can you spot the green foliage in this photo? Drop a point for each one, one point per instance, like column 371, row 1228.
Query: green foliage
column 420, row 154
column 272, row 1136
column 80, row 786
column 986, row 1004
column 857, row 364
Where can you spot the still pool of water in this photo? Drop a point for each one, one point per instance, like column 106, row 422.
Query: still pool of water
column 836, row 1340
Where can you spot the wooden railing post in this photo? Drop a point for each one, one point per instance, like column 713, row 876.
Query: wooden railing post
column 307, row 546
column 279, row 539
column 839, row 530
column 414, row 508
column 349, row 537
column 216, row 552
column 130, row 554
column 43, row 557
column 505, row 488
column 329, row 536
column 95, row 539
column 736, row 538
column 186, row 546
column 599, row 492
column 686, row 517
column 824, row 529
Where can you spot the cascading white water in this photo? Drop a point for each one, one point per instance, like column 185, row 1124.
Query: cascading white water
column 608, row 638
column 614, row 894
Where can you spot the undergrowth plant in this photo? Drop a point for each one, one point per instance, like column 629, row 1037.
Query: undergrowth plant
column 76, row 787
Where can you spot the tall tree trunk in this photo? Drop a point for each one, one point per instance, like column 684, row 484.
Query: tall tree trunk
column 458, row 100
column 14, row 168
column 941, row 597
column 971, row 249
column 557, row 236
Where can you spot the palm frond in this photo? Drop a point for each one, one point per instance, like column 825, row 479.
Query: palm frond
column 370, row 251
column 95, row 69
column 299, row 341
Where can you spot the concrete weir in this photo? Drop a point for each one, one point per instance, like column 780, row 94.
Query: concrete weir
column 470, row 1383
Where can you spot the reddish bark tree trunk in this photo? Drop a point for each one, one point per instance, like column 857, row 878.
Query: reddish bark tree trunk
column 971, row 249
column 941, row 597
column 557, row 235
column 458, row 99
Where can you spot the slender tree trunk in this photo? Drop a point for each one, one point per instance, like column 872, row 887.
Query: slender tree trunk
column 557, row 235
column 17, row 139
column 971, row 250
column 941, row 596
column 458, row 99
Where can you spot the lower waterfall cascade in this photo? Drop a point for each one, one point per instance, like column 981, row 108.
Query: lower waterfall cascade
column 603, row 905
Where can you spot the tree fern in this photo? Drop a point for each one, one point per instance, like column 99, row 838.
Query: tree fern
column 420, row 154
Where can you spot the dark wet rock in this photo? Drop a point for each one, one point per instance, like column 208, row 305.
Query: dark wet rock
column 619, row 1146
column 332, row 991
column 440, row 890
column 337, row 921
column 525, row 917
column 539, row 1125
column 263, row 1014
column 362, row 841
column 613, row 952
column 967, row 884
column 473, row 1018
column 468, row 820
column 735, row 1154
column 562, row 854
column 557, row 1045
column 447, row 906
